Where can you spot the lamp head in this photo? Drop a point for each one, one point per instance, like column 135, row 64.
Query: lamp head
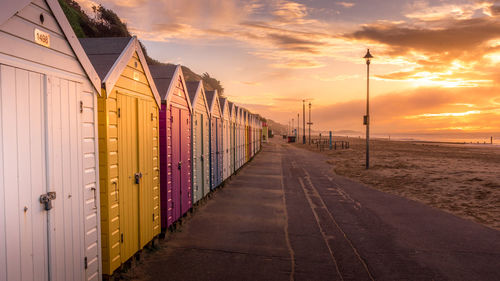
column 368, row 56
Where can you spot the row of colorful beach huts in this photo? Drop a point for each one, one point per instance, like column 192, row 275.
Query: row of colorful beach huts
column 99, row 151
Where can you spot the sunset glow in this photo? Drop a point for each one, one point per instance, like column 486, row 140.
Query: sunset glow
column 433, row 58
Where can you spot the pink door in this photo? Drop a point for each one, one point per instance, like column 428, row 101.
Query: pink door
column 176, row 163
column 185, row 156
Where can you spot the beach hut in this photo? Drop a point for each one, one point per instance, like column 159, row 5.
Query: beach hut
column 232, row 137
column 241, row 138
column 215, row 138
column 175, row 142
column 236, row 137
column 252, row 135
column 49, row 194
column 226, row 160
column 128, row 148
column 200, row 140
column 246, row 117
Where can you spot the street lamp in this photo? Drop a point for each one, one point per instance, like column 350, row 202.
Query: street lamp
column 366, row 120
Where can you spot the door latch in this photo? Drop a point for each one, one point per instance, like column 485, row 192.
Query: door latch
column 137, row 176
column 179, row 165
column 47, row 198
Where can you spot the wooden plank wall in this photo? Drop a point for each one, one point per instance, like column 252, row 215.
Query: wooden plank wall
column 133, row 83
column 58, row 61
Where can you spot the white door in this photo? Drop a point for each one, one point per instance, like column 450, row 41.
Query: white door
column 39, row 153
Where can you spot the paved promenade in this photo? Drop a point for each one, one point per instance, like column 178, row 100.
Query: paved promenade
column 285, row 216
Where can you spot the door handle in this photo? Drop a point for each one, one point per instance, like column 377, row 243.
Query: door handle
column 116, row 193
column 137, row 176
column 95, row 198
column 46, row 199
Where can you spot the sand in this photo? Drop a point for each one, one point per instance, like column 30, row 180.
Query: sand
column 460, row 179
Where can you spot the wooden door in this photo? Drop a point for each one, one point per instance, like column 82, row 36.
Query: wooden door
column 198, row 157
column 185, row 159
column 206, row 154
column 176, row 162
column 146, row 119
column 40, row 152
column 24, row 247
column 128, row 166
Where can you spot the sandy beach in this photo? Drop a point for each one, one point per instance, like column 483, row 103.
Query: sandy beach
column 461, row 179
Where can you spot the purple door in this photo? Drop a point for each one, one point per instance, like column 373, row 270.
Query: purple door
column 166, row 167
column 176, row 163
column 185, row 158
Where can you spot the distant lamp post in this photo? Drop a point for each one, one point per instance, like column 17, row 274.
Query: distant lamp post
column 366, row 118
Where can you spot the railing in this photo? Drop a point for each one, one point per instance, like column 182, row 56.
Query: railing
column 323, row 144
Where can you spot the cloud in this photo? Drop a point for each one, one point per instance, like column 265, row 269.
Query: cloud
column 423, row 11
column 287, row 11
column 450, row 52
column 418, row 110
column 459, row 38
column 346, row 4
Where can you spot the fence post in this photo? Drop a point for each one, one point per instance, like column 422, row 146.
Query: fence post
column 330, row 140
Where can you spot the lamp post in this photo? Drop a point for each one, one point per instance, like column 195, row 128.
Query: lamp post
column 309, row 123
column 366, row 120
column 298, row 128
column 303, row 121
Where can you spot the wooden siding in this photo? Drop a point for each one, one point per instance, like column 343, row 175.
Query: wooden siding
column 112, row 227
column 71, row 86
column 179, row 95
column 17, row 37
column 202, row 120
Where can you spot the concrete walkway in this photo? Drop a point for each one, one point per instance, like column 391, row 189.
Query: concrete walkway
column 285, row 216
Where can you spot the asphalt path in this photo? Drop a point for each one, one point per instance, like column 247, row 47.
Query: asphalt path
column 286, row 216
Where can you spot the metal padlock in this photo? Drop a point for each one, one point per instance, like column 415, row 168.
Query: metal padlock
column 138, row 177
column 47, row 198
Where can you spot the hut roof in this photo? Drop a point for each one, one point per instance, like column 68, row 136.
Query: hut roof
column 11, row 7
column 110, row 56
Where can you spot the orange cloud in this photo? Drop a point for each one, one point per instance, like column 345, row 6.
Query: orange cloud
column 420, row 110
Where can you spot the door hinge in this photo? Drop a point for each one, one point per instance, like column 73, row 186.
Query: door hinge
column 81, row 106
column 153, row 217
column 85, row 263
column 121, row 237
column 151, row 116
column 119, row 112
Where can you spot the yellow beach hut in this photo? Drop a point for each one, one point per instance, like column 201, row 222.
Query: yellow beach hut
column 128, row 148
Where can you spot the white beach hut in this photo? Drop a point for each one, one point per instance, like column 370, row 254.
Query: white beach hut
column 49, row 194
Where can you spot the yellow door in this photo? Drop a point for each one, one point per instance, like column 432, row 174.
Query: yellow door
column 146, row 119
column 128, row 166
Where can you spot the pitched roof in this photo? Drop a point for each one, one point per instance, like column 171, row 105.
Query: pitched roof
column 212, row 99
column 163, row 74
column 11, row 7
column 192, row 88
column 104, row 52
column 223, row 104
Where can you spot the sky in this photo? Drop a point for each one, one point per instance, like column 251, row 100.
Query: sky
column 435, row 67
